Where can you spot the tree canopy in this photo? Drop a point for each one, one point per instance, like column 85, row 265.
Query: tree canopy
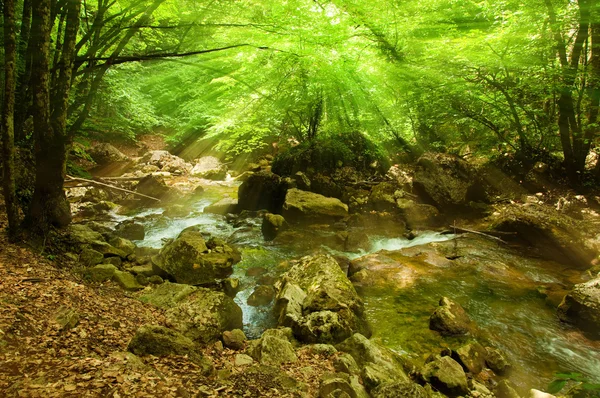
column 496, row 78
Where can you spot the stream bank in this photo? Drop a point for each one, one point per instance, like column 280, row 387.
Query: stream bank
column 510, row 289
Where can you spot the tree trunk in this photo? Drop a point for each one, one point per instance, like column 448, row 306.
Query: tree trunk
column 49, row 206
column 8, row 109
column 23, row 95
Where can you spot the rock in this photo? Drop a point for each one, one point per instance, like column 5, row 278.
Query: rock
column 582, row 307
column 301, row 181
column 209, row 167
column 231, row 287
column 273, row 351
column 90, row 257
column 130, row 230
column 255, row 271
column 66, row 318
column 243, row 360
column 262, row 190
column 177, row 211
column 339, row 385
column 419, row 215
column 162, row 341
column 446, row 180
column 167, row 295
column 155, row 280
column 382, row 197
column 447, row 376
column 505, row 389
column 554, row 235
column 108, row 250
column 223, row 206
column 204, row 315
column 145, row 270
column 450, row 319
column 95, row 195
column 533, row 393
column 379, row 364
column 100, row 273
column 472, row 357
column 126, row 246
column 127, row 281
column 496, row 361
column 234, row 339
column 116, row 261
column 325, row 350
column 303, row 206
column 345, row 363
column 104, row 154
column 188, row 260
column 402, row 389
column 356, row 240
column 262, row 295
column 154, row 186
column 271, row 225
column 318, row 302
column 83, row 234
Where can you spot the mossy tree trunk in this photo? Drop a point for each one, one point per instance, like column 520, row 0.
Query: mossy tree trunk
column 8, row 108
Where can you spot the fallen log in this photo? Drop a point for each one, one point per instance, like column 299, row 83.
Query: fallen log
column 71, row 178
column 470, row 231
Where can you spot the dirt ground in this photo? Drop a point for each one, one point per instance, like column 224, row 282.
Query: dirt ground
column 40, row 358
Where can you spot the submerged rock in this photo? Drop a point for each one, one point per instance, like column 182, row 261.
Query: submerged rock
column 582, row 306
column 271, row 225
column 303, row 206
column 319, row 303
column 188, row 259
column 450, row 319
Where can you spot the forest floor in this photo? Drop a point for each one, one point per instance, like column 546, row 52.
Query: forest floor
column 89, row 358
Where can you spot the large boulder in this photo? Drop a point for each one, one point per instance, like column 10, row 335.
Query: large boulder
column 161, row 341
column 262, row 190
column 155, row 186
column 379, row 365
column 582, row 306
column 204, row 315
column 450, row 318
column 189, row 259
column 318, row 302
column 167, row 295
column 130, row 230
column 209, row 167
column 447, row 376
column 273, row 351
column 104, row 154
column 303, row 206
column 445, row 180
column 223, row 206
column 555, row 235
column 164, row 161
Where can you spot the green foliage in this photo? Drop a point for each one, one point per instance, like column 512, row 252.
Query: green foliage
column 328, row 154
column 577, row 384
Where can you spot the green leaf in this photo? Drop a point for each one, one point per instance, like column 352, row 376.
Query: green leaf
column 556, row 386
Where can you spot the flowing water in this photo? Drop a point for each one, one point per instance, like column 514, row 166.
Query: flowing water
column 497, row 287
